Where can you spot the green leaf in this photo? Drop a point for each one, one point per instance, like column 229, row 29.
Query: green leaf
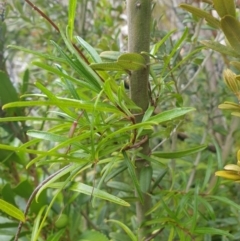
column 121, row 168
column 201, row 14
column 37, row 205
column 11, row 210
column 90, row 50
column 169, row 115
column 92, row 235
column 107, row 66
column 24, row 189
column 145, row 178
column 25, row 82
column 110, row 55
column 130, row 234
column 225, row 7
column 7, row 91
column 80, row 66
column 7, row 157
column 38, row 53
column 212, row 231
column 87, row 105
column 208, row 173
column 231, row 29
column 179, row 154
column 120, row 186
column 35, row 230
column 208, row 207
column 44, row 135
column 79, row 82
column 53, row 97
column 125, row 62
column 226, row 201
column 88, row 190
column 132, row 173
column 174, row 50
column 56, row 236
column 132, row 61
column 8, row 194
column 216, row 46
column 161, row 42
column 59, row 174
column 71, row 16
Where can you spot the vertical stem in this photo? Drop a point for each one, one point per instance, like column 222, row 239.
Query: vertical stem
column 139, row 20
column 139, row 17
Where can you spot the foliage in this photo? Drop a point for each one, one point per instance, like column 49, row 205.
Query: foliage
column 80, row 140
column 230, row 26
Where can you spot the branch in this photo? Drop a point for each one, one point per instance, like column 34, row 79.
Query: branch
column 55, row 27
column 33, row 196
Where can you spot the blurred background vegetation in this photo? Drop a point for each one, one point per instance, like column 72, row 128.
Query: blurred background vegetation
column 196, row 82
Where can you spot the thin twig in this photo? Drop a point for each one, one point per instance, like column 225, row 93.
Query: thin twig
column 89, row 221
column 136, row 145
column 43, row 15
column 154, row 235
column 33, row 196
column 56, row 28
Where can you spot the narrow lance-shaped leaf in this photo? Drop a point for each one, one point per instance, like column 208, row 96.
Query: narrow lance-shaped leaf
column 216, row 46
column 7, row 91
column 88, row 48
column 35, row 231
column 125, row 62
column 145, row 178
column 83, row 67
column 60, row 173
column 132, row 61
column 110, row 55
column 53, row 70
column 92, row 235
column 170, row 114
column 53, row 97
column 107, row 66
column 71, row 16
column 225, row 7
column 37, row 53
column 11, row 210
column 201, row 14
column 212, row 231
column 44, row 135
column 133, row 175
column 231, row 29
column 179, row 154
column 88, row 190
column 66, row 103
column 130, row 234
column 174, row 50
column 161, row 42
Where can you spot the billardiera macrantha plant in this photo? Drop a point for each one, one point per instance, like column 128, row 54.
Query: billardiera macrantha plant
column 231, row 171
